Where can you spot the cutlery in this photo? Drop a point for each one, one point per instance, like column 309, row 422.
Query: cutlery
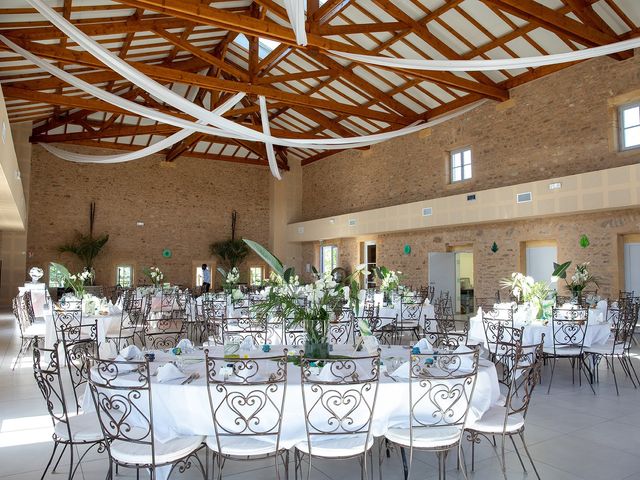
column 188, row 379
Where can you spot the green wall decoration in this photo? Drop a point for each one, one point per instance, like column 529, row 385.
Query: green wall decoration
column 494, row 247
column 166, row 253
column 407, row 249
column 584, row 241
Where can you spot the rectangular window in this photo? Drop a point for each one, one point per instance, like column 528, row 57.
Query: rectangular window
column 256, row 274
column 124, row 275
column 199, row 277
column 55, row 277
column 630, row 126
column 460, row 165
column 328, row 258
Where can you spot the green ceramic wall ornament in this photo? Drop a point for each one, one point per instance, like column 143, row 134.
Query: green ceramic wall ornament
column 584, row 241
column 166, row 253
column 494, row 247
column 407, row 249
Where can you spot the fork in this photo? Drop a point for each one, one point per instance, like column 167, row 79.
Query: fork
column 188, row 379
column 386, row 374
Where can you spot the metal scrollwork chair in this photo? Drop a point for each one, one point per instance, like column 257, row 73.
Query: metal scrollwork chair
column 618, row 348
column 491, row 323
column 569, row 330
column 126, row 419
column 28, row 331
column 338, row 408
column 164, row 333
column 245, row 327
column 246, row 397
column 341, row 330
column 78, row 342
column 66, row 318
column 410, row 315
column 69, row 431
column 441, row 386
column 509, row 420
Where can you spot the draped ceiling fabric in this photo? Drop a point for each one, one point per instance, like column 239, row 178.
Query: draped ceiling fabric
column 492, row 65
column 213, row 123
column 297, row 18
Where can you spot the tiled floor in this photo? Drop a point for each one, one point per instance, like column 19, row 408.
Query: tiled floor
column 572, row 434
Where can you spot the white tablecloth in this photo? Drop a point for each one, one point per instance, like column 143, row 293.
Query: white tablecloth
column 598, row 331
column 182, row 410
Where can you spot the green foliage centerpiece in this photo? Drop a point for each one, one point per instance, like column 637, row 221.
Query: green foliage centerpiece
column 537, row 294
column 389, row 282
column 285, row 296
column 74, row 281
column 580, row 280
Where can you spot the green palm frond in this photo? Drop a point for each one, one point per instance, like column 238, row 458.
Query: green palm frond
column 86, row 248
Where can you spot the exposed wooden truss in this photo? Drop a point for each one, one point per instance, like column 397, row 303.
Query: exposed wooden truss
column 211, row 50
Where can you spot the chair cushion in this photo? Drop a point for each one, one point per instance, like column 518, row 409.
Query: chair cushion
column 425, row 437
column 493, row 421
column 34, row 330
column 84, row 428
column 115, row 332
column 168, row 452
column 605, row 349
column 337, row 445
column 563, row 351
column 241, row 445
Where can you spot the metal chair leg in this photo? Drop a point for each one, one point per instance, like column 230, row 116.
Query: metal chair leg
column 53, row 453
column 526, row 449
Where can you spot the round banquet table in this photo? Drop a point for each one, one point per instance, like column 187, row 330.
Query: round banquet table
column 183, row 409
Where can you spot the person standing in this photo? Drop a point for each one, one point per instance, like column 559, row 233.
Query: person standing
column 206, row 278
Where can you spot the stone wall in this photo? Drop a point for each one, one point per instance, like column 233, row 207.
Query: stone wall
column 185, row 206
column 558, row 125
column 604, row 253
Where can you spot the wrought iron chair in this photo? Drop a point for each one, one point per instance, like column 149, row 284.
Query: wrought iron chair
column 28, row 331
column 78, row 342
column 130, row 325
column 508, row 344
column 246, row 397
column 342, row 329
column 441, row 386
column 569, row 330
column 492, row 320
column 66, row 318
column 618, row 348
column 214, row 311
column 126, row 419
column 96, row 290
column 244, row 327
column 410, row 315
column 69, row 431
column 164, row 332
column 27, row 306
column 338, row 409
column 509, row 420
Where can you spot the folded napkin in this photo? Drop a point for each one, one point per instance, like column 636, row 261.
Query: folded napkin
column 169, row 372
column 424, row 346
column 602, row 305
column 185, row 345
column 129, row 366
column 130, row 352
column 248, row 344
column 370, row 343
column 466, row 361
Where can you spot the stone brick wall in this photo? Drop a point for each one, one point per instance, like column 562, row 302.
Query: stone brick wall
column 557, row 125
column 185, row 206
column 604, row 253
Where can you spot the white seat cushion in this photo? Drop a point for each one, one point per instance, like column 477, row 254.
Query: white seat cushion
column 425, row 437
column 34, row 330
column 336, row 445
column 84, row 428
column 493, row 421
column 563, row 351
column 115, row 332
column 168, row 452
column 605, row 349
column 242, row 445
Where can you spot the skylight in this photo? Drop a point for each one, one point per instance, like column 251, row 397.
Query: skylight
column 266, row 46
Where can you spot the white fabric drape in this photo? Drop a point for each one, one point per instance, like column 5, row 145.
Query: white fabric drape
column 488, row 65
column 143, row 152
column 296, row 10
column 271, row 156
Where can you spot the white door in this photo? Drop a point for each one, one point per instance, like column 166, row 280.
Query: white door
column 632, row 268
column 442, row 273
column 540, row 262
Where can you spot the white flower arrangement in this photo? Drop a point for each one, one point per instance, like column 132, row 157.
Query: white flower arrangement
column 236, row 295
column 233, row 277
column 155, row 275
column 389, row 279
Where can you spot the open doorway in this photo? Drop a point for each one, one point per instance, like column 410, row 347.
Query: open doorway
column 370, row 260
column 452, row 272
column 631, row 263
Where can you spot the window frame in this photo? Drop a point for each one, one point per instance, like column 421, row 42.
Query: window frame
column 59, row 284
column 334, row 253
column 251, row 269
column 460, row 151
column 622, row 128
column 132, row 270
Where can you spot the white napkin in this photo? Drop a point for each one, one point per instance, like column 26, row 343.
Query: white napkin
column 402, row 371
column 466, row 361
column 114, row 310
column 125, row 367
column 248, row 344
column 130, row 352
column 424, row 346
column 602, row 305
column 370, row 343
column 168, row 372
column 185, row 345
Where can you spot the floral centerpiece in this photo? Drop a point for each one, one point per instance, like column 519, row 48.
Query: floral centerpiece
column 230, row 279
column 389, row 282
column 74, row 281
column 526, row 289
column 155, row 275
column 580, row 280
column 284, row 296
